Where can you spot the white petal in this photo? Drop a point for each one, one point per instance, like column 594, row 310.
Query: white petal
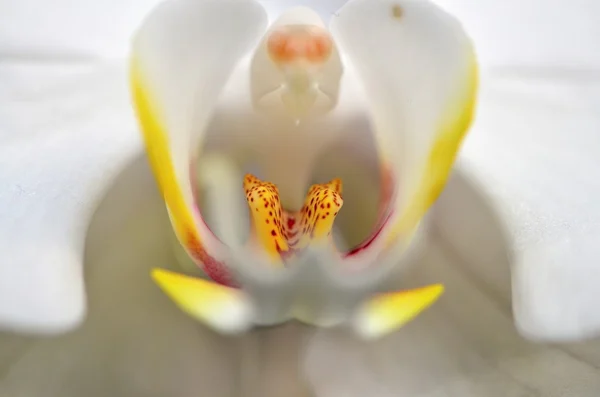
column 134, row 341
column 133, row 334
column 418, row 70
column 183, row 55
column 65, row 133
column 534, row 150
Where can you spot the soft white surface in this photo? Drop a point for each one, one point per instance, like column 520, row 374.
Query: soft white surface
column 64, row 133
column 533, row 150
column 532, row 33
column 535, row 147
column 135, row 344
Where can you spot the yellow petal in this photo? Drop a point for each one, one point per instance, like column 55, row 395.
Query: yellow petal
column 388, row 312
column 222, row 308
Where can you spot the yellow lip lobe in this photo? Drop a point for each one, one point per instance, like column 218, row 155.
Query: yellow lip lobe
column 388, row 312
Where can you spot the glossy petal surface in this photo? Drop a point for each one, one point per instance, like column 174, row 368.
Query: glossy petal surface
column 182, row 57
column 418, row 70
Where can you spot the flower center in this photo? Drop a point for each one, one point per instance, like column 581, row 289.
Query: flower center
column 284, row 234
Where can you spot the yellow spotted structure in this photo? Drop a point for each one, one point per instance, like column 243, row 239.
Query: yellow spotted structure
column 282, row 234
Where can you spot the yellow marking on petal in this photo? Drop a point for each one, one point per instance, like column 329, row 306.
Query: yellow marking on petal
column 222, row 308
column 388, row 312
column 321, row 206
column 155, row 135
column 266, row 212
column 454, row 128
column 154, row 132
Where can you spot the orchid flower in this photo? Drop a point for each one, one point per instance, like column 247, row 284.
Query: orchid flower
column 233, row 110
column 512, row 237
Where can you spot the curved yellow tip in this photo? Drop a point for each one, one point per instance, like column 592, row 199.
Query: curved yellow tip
column 387, row 312
column 321, row 206
column 222, row 308
column 267, row 214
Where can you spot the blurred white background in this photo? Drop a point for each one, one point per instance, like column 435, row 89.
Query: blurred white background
column 512, row 32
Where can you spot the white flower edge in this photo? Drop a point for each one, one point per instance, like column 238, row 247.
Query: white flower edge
column 533, row 177
column 51, row 181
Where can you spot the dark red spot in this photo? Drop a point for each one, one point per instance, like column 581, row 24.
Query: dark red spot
column 273, row 232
